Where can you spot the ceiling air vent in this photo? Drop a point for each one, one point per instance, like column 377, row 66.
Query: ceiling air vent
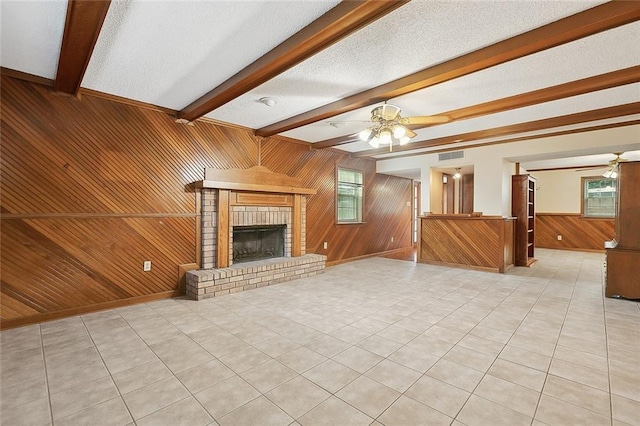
column 450, row 155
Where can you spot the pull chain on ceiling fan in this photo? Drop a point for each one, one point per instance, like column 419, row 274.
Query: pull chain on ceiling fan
column 390, row 128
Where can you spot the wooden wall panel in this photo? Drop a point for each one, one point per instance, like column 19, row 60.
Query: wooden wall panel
column 92, row 187
column 484, row 243
column 386, row 213
column 577, row 233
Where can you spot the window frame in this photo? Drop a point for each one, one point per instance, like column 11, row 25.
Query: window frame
column 337, row 184
column 583, row 199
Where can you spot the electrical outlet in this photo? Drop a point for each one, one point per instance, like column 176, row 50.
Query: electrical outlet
column 146, row 265
column 391, row 239
column 324, row 245
column 408, row 203
column 559, row 237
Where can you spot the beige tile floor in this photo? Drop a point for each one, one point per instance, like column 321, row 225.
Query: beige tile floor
column 377, row 341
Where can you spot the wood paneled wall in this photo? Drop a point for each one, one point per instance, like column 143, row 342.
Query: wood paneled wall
column 91, row 188
column 577, row 233
column 386, row 212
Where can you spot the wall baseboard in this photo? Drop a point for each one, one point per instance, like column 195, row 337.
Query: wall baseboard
column 365, row 256
column 49, row 316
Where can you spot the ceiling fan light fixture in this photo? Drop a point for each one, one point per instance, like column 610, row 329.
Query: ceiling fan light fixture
column 404, row 140
column 399, row 131
column 386, row 112
column 374, row 142
column 365, row 134
column 385, row 136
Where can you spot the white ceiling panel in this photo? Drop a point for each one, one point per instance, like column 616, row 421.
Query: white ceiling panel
column 573, row 61
column 172, row 52
column 31, row 35
column 415, row 36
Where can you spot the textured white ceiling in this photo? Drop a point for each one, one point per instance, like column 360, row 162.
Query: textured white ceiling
column 170, row 53
column 413, row 37
column 30, row 35
column 541, row 133
column 572, row 61
column 590, row 101
column 579, row 160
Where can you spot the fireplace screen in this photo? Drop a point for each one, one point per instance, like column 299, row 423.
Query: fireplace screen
column 258, row 242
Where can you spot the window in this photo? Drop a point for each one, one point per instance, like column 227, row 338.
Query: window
column 599, row 197
column 349, row 196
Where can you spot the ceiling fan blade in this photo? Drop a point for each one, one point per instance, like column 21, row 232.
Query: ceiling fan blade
column 411, row 133
column 427, row 119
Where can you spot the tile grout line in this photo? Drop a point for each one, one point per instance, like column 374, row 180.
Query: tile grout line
column 606, row 340
column 106, row 368
column 166, row 366
column 46, row 375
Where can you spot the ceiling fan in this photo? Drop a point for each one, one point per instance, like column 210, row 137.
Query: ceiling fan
column 612, row 166
column 389, row 127
column 612, row 170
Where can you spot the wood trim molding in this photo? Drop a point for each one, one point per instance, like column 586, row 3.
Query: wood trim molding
column 366, row 256
column 126, row 101
column 255, row 179
column 550, row 169
column 548, row 94
column 296, row 223
column 222, row 244
column 592, row 21
column 529, row 126
column 337, row 23
column 31, row 78
column 81, row 29
column 12, row 323
column 518, row 139
column 561, row 214
column 20, row 216
column 261, row 199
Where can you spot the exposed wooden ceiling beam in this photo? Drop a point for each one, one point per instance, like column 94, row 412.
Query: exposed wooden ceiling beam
column 548, row 94
column 548, row 169
column 81, row 30
column 518, row 139
column 344, row 19
column 597, row 19
column 530, row 126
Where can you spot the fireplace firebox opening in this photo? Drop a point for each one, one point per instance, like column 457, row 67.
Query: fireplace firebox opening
column 258, row 242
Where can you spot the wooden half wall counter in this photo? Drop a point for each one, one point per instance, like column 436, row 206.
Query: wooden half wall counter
column 576, row 232
column 467, row 240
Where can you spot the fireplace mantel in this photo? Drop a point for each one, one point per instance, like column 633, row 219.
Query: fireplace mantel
column 254, row 179
column 251, row 195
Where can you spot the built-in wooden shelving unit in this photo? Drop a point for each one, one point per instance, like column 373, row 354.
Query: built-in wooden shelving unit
column 523, row 189
column 622, row 278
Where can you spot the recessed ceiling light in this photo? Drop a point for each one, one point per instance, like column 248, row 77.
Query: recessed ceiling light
column 268, row 101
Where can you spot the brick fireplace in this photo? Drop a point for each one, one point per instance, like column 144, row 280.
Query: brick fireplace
column 236, row 199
